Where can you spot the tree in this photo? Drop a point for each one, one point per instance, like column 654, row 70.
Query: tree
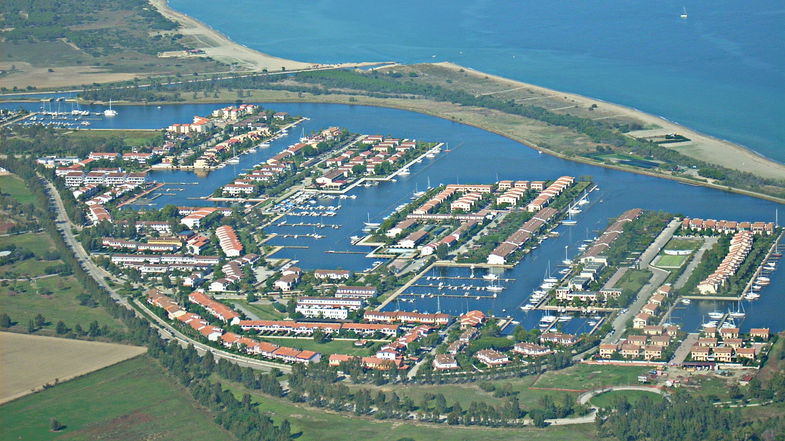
column 61, row 328
column 5, row 321
column 31, row 326
column 441, row 251
column 55, row 426
column 39, row 320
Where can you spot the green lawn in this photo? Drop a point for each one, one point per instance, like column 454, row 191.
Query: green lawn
column 132, row 400
column 633, row 280
column 15, row 187
column 633, row 396
column 133, row 138
column 317, row 425
column 263, row 311
column 21, row 302
column 308, row 344
column 668, row 261
column 38, row 243
column 683, row 244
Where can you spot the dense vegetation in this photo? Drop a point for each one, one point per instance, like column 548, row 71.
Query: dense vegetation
column 75, row 20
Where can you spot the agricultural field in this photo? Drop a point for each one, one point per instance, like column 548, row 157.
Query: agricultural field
column 318, row 425
column 30, row 361
column 132, row 400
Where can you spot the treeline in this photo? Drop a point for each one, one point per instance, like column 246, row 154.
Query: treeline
column 682, row 417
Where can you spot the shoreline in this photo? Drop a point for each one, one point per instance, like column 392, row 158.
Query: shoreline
column 334, row 99
column 704, row 141
column 221, row 47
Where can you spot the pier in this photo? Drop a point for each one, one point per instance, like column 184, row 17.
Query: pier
column 284, row 223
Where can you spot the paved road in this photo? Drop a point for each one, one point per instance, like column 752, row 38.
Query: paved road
column 683, row 350
column 707, row 244
column 586, row 396
column 646, row 291
column 164, row 329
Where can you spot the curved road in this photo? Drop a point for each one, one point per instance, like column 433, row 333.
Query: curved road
column 586, row 396
column 100, row 275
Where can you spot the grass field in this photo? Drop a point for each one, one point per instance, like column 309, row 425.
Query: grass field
column 30, row 361
column 132, row 400
column 683, row 244
column 15, row 187
column 529, row 390
column 668, row 261
column 263, row 311
column 588, row 377
column 633, row 280
column 318, row 425
column 133, row 138
column 633, row 396
column 37, row 243
column 21, row 302
column 331, row 347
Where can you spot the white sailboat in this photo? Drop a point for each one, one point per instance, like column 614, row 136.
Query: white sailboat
column 567, row 260
column 110, row 112
column 683, row 12
column 739, row 312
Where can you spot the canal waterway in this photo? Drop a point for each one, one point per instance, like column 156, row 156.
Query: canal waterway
column 473, row 156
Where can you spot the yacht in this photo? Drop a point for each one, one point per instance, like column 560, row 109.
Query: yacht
column 110, row 112
column 495, row 288
column 715, row 315
column 739, row 312
column 547, row 320
column 752, row 296
column 490, row 276
column 404, row 171
column 527, row 307
column 565, row 318
column 233, row 160
column 710, row 324
column 686, row 301
column 683, row 14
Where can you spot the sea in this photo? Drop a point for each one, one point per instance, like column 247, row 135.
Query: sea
column 720, row 71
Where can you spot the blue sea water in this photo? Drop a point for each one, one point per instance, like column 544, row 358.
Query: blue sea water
column 720, row 71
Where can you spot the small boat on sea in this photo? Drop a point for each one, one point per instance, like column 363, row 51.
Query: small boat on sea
column 683, row 14
column 751, row 296
column 686, row 301
column 715, row 315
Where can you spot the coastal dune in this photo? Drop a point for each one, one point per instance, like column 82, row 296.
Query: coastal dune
column 700, row 146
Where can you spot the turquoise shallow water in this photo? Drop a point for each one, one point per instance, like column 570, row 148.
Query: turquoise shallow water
column 719, row 71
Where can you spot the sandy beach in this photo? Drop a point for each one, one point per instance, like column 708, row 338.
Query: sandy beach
column 700, row 146
column 221, row 48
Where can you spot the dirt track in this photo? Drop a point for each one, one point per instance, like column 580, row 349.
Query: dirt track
column 28, row 362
